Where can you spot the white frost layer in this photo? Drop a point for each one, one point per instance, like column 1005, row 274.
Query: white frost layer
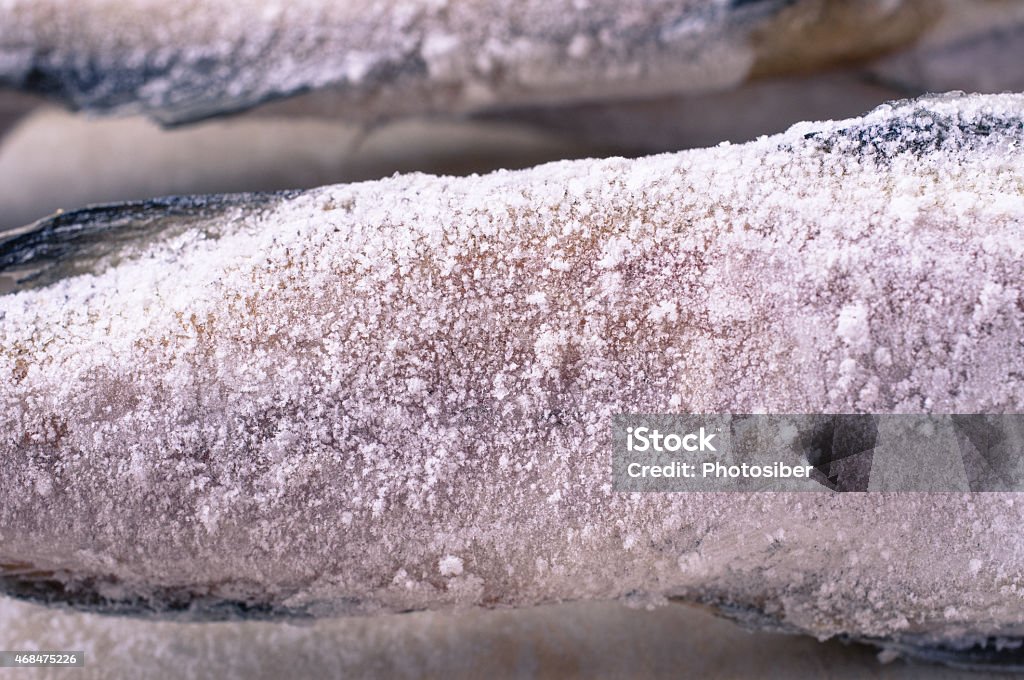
column 379, row 58
column 186, row 60
column 581, row 639
column 397, row 394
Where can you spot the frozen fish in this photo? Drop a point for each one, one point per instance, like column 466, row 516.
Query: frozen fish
column 372, row 60
column 397, row 395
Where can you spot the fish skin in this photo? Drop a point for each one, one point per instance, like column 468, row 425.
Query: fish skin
column 66, row 243
column 330, row 494
column 368, row 61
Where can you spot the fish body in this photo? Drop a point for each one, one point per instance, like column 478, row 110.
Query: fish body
column 397, row 395
column 367, row 61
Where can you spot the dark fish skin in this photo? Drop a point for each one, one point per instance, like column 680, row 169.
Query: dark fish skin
column 44, row 587
column 67, row 243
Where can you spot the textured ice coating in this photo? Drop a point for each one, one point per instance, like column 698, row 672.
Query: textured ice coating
column 397, row 395
column 379, row 58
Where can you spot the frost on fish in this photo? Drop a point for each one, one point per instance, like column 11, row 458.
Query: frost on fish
column 179, row 63
column 397, row 395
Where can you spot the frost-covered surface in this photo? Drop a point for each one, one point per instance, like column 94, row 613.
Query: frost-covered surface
column 185, row 60
column 572, row 640
column 397, row 395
